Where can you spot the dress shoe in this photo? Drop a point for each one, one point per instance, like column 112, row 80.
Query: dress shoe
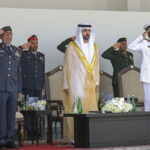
column 12, row 145
column 2, row 147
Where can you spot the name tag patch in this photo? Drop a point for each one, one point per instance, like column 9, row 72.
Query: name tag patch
column 2, row 51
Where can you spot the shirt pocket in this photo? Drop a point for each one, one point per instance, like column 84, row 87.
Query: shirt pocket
column 17, row 58
column 2, row 53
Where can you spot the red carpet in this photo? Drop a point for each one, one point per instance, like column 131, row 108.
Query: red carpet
column 62, row 147
column 46, row 147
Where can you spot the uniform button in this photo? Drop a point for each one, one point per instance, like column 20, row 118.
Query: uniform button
column 35, row 70
column 35, row 75
column 9, row 68
column 35, row 66
column 8, row 75
column 9, row 56
column 9, row 62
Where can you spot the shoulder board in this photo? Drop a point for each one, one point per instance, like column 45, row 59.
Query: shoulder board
column 2, row 45
column 129, row 53
column 39, row 53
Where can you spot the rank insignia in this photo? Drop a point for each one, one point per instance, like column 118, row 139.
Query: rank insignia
column 41, row 58
column 131, row 57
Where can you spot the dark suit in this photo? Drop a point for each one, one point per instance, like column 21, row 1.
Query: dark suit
column 10, row 86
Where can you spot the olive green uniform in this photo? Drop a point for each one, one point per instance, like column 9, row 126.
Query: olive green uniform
column 63, row 46
column 119, row 61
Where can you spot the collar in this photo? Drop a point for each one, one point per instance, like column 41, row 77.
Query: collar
column 30, row 52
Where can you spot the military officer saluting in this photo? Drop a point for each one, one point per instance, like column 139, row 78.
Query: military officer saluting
column 10, row 87
column 33, row 68
column 120, row 58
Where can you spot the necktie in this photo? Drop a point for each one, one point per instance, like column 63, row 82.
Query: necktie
column 10, row 48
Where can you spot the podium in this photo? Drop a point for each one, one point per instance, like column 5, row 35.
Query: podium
column 97, row 130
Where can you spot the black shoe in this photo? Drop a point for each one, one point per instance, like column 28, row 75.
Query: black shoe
column 12, row 145
column 2, row 146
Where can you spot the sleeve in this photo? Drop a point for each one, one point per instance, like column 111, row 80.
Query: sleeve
column 63, row 46
column 109, row 53
column 19, row 77
column 66, row 68
column 135, row 45
column 20, row 47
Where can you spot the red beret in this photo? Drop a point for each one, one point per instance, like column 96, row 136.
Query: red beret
column 33, row 38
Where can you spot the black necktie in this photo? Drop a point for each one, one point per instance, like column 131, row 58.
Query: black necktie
column 10, row 48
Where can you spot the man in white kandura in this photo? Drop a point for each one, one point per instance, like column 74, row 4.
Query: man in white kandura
column 81, row 75
column 142, row 44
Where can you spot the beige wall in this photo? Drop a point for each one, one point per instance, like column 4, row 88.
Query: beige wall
column 119, row 5
column 111, row 5
column 54, row 26
column 134, row 5
column 138, row 5
column 145, row 5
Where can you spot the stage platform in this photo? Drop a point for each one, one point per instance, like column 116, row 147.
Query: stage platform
column 97, row 130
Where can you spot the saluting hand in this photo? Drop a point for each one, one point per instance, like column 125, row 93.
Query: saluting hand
column 144, row 35
column 73, row 38
column 1, row 31
column 26, row 45
column 117, row 45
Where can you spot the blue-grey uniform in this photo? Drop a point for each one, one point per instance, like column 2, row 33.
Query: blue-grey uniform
column 10, row 86
column 33, row 68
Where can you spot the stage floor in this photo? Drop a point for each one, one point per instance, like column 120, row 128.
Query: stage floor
column 59, row 145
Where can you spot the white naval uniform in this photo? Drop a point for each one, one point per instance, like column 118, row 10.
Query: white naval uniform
column 143, row 46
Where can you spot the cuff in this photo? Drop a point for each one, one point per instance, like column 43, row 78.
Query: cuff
column 140, row 38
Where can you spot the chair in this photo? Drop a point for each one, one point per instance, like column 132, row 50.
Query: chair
column 106, row 83
column 20, row 124
column 129, row 84
column 53, row 87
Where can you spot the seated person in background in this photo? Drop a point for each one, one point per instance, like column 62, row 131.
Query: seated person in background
column 120, row 58
column 63, row 46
